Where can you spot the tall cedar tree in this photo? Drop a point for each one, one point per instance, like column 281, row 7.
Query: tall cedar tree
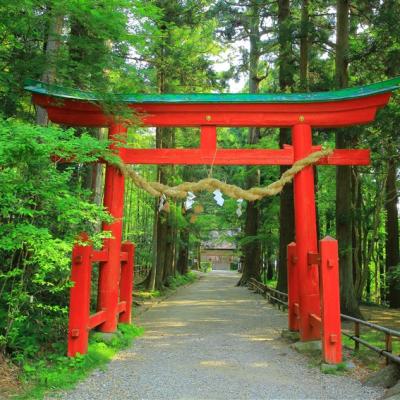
column 344, row 230
column 286, row 80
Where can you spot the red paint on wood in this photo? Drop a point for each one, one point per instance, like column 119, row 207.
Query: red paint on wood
column 121, row 307
column 264, row 119
column 296, row 309
column 347, row 157
column 99, row 256
column 109, row 274
column 315, row 321
column 208, row 140
column 323, row 114
column 204, row 156
column 293, row 287
column 97, row 319
column 330, row 301
column 209, row 157
column 126, row 284
column 79, row 304
column 306, row 233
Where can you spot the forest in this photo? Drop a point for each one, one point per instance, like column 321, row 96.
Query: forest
column 187, row 46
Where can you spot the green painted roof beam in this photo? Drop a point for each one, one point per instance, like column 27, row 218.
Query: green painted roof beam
column 201, row 98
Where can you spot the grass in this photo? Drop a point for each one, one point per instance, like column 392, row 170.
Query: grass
column 172, row 283
column 368, row 357
column 180, row 280
column 338, row 369
column 147, row 294
column 205, row 266
column 271, row 283
column 57, row 372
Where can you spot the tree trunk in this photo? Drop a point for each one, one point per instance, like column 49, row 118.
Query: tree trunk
column 252, row 249
column 52, row 45
column 286, row 73
column 304, row 45
column 164, row 228
column 169, row 250
column 183, row 254
column 392, row 236
column 151, row 284
column 344, row 220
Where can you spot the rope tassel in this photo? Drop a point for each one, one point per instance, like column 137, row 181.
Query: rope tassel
column 211, row 184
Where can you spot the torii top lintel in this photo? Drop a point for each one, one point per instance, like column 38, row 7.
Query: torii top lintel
column 323, row 109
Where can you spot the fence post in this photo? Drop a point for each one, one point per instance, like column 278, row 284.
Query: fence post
column 388, row 345
column 330, row 301
column 357, row 335
column 293, row 287
column 79, row 304
column 126, row 282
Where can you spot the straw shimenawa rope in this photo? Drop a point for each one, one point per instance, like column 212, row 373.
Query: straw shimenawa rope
column 210, row 184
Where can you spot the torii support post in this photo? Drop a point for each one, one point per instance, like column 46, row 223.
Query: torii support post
column 293, row 288
column 79, row 306
column 109, row 275
column 306, row 235
column 330, row 301
column 126, row 283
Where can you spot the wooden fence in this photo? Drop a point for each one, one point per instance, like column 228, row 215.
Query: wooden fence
column 281, row 299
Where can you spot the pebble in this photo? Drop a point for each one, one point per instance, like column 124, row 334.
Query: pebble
column 212, row 340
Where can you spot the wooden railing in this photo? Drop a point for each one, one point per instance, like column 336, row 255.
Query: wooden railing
column 389, row 334
column 280, row 298
column 272, row 295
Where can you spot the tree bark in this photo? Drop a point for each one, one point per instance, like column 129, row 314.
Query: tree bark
column 392, row 236
column 344, row 219
column 151, row 284
column 304, row 46
column 252, row 249
column 183, row 254
column 286, row 80
column 56, row 25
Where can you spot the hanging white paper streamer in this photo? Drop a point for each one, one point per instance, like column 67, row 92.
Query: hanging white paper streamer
column 218, row 197
column 239, row 207
column 189, row 200
column 161, row 204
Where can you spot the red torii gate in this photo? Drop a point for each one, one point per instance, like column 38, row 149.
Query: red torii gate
column 313, row 276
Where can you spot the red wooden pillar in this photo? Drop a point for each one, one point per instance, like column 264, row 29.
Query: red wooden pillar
column 306, row 234
column 79, row 304
column 208, row 138
column 293, row 288
column 109, row 275
column 126, row 285
column 330, row 301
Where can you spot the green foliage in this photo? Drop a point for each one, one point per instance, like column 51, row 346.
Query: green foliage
column 43, row 207
column 338, row 369
column 368, row 357
column 56, row 372
column 180, row 280
column 206, row 266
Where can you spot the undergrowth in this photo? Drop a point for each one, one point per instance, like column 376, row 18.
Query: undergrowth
column 147, row 294
column 368, row 357
column 180, row 280
column 57, row 372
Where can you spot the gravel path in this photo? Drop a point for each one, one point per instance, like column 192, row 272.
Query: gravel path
column 213, row 340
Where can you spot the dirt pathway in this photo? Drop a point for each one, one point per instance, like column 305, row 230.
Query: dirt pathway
column 213, row 340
